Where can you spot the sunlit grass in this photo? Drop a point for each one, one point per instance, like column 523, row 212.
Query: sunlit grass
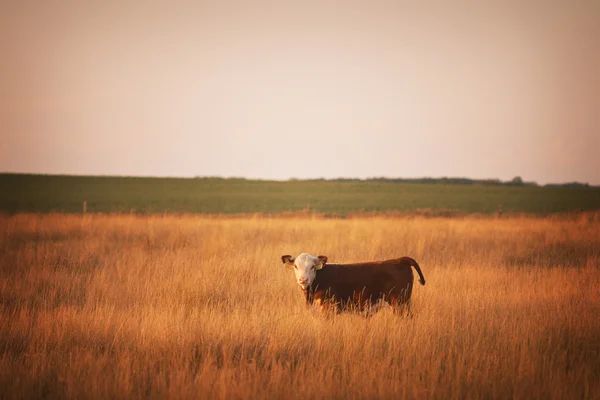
column 132, row 307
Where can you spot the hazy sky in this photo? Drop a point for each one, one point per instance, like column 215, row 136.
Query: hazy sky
column 302, row 89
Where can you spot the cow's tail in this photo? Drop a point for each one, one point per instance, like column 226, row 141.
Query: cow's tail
column 414, row 264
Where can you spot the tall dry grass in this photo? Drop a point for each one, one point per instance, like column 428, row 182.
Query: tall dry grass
column 184, row 307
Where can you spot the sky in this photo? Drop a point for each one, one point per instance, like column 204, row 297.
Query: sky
column 302, row 89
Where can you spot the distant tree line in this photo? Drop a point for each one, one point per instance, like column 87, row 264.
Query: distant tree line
column 516, row 181
column 569, row 185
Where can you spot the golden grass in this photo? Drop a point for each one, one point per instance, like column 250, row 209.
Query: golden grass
column 183, row 307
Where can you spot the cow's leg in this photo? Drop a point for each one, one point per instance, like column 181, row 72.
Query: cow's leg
column 327, row 307
column 400, row 307
column 368, row 309
column 376, row 306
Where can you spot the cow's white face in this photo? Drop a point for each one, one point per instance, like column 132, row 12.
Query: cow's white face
column 305, row 267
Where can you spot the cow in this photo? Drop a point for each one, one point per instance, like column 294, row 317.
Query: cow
column 359, row 286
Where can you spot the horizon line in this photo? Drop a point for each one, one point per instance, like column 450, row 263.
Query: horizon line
column 292, row 179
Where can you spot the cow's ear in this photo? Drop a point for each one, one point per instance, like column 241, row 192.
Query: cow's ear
column 322, row 261
column 287, row 259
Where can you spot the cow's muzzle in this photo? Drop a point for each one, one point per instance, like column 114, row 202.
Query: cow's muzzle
column 303, row 283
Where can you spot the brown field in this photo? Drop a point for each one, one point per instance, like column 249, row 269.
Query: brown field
column 186, row 306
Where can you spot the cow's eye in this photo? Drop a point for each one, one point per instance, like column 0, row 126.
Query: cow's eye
column 295, row 266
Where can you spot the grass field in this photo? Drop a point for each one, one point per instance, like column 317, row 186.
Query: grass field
column 201, row 307
column 66, row 194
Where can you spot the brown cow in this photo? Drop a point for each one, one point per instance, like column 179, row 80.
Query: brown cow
column 359, row 286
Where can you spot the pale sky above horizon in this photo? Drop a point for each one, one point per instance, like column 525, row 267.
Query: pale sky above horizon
column 302, row 89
